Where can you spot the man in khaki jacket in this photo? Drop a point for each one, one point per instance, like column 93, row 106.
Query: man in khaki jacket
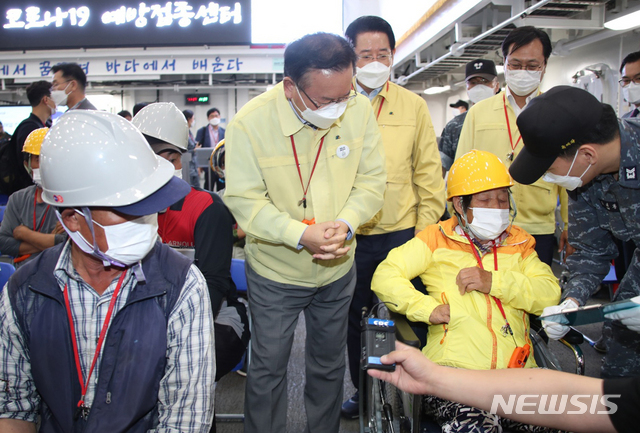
column 490, row 125
column 304, row 169
column 414, row 197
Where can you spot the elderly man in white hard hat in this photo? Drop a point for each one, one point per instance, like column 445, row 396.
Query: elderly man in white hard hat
column 202, row 225
column 111, row 331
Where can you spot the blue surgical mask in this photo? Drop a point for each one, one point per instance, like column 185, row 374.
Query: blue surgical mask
column 568, row 182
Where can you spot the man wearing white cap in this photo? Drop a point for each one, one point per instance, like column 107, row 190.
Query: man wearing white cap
column 110, row 331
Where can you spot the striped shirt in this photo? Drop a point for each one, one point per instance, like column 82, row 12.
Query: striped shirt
column 186, row 394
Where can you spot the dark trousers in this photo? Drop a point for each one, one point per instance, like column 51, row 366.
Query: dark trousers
column 370, row 251
column 545, row 246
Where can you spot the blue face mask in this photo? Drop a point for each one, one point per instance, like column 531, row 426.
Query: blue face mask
column 568, row 182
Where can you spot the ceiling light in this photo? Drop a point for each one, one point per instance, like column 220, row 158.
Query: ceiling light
column 624, row 22
column 436, row 90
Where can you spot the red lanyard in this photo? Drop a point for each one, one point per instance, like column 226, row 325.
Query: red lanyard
column 105, row 325
column 506, row 116
column 495, row 265
column 380, row 109
column 35, row 202
column 303, row 202
column 382, row 99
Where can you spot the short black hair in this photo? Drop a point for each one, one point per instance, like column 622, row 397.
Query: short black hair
column 188, row 114
column 605, row 131
column 522, row 36
column 370, row 23
column 72, row 71
column 630, row 58
column 38, row 90
column 321, row 51
column 212, row 110
column 139, row 106
column 124, row 113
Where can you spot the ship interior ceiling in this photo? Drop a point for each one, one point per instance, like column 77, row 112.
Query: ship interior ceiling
column 431, row 54
column 480, row 31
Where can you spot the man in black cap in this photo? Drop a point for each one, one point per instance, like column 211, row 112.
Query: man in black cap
column 573, row 140
column 481, row 79
column 461, row 105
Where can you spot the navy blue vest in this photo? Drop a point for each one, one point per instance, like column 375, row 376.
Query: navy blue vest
column 134, row 354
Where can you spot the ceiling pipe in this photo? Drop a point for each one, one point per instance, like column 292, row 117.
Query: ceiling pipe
column 405, row 79
column 564, row 46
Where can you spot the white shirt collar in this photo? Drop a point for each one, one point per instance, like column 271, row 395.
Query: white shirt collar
column 516, row 109
column 371, row 95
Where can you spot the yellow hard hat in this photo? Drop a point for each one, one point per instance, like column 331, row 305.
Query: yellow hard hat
column 34, row 141
column 217, row 159
column 477, row 171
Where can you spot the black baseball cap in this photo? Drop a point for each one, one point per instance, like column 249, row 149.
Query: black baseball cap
column 549, row 124
column 481, row 68
column 459, row 103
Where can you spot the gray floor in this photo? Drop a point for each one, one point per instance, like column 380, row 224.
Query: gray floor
column 230, row 390
column 230, row 393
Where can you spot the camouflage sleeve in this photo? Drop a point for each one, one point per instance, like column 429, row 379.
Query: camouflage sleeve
column 595, row 249
column 449, row 142
column 630, row 284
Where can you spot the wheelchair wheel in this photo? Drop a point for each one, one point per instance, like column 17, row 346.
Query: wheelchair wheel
column 383, row 411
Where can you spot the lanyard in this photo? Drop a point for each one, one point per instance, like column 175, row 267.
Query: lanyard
column 36, row 228
column 495, row 265
column 303, row 202
column 382, row 99
column 506, row 116
column 84, row 385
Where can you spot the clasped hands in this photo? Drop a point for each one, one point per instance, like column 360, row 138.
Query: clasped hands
column 326, row 240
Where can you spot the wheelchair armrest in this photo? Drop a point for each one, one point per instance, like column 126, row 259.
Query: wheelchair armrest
column 574, row 337
column 404, row 333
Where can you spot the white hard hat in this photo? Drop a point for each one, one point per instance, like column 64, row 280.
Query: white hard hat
column 165, row 122
column 93, row 158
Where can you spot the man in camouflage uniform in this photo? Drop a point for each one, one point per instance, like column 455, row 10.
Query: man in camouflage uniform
column 481, row 75
column 577, row 142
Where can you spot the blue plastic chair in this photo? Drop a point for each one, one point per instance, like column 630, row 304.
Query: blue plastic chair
column 240, row 279
column 2, row 208
column 238, row 276
column 6, row 270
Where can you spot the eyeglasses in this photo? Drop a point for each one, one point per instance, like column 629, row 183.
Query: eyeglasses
column 382, row 58
column 519, row 67
column 349, row 97
column 477, row 80
column 624, row 82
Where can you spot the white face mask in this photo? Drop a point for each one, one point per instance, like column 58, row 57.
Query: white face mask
column 488, row 224
column 214, row 121
column 522, row 82
column 60, row 96
column 325, row 116
column 479, row 92
column 568, row 182
column 178, row 173
column 129, row 242
column 373, row 75
column 631, row 93
column 35, row 175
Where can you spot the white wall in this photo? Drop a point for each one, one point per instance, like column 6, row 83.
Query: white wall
column 228, row 101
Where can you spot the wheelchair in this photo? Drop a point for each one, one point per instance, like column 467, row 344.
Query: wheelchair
column 386, row 409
